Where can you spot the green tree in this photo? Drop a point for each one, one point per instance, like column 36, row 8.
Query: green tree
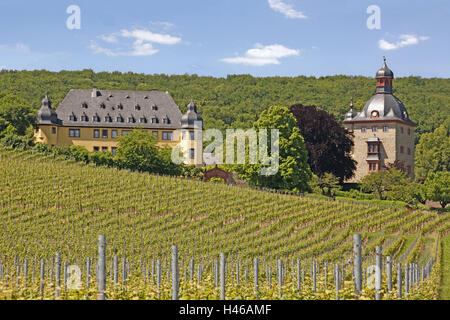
column 138, row 152
column 390, row 184
column 16, row 112
column 432, row 152
column 294, row 172
column 437, row 187
column 328, row 184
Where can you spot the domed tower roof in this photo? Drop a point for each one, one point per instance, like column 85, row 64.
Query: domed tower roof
column 189, row 119
column 383, row 106
column 385, row 72
column 46, row 115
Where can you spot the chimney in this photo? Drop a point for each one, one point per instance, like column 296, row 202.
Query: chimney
column 94, row 93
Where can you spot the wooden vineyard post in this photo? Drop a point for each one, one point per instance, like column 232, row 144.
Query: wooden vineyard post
column 88, row 272
column 158, row 277
column 175, row 275
column 42, row 278
column 57, row 275
column 115, row 271
column 336, row 280
column 216, row 272
column 280, row 277
column 237, row 271
column 222, row 276
column 256, row 274
column 357, row 262
column 101, row 274
column 299, row 287
column 399, row 280
column 378, row 274
column 314, row 275
column 389, row 272
column 406, row 280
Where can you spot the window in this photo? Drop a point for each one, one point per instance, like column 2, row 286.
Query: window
column 84, row 105
column 137, row 107
column 120, row 107
column 113, row 150
column 374, row 129
column 401, row 130
column 385, row 128
column 104, row 149
column 102, row 106
column 409, row 151
column 373, row 148
column 192, row 153
column 408, row 169
column 191, row 135
column 131, row 120
column 199, row 136
column 363, row 129
column 155, row 108
column 409, row 132
column 143, row 120
column 167, row 135
column 166, row 121
column 119, row 119
column 155, row 134
column 184, row 135
column 105, row 134
column 96, row 118
column 84, row 118
column 373, row 167
column 108, row 118
column 96, row 148
column 374, row 115
column 53, row 130
column 155, row 120
column 125, row 132
column 96, row 134
column 114, row 134
column 402, row 149
column 72, row 118
column 74, row 133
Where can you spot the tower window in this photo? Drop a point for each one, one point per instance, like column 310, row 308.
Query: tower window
column 401, row 130
column 402, row 149
column 374, row 129
column 54, row 130
column 363, row 129
column 192, row 153
column 191, row 135
column 409, row 132
column 373, row 167
column 409, row 151
column 385, row 128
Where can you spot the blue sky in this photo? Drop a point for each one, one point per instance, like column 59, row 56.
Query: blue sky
column 217, row 38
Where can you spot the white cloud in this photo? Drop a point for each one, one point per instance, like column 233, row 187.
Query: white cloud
column 2, row 68
column 263, row 55
column 17, row 48
column 403, row 41
column 145, row 35
column 142, row 43
column 164, row 24
column 286, row 9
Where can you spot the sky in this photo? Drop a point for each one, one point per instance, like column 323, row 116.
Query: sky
column 218, row 38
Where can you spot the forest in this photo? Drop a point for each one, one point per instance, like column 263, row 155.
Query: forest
column 237, row 100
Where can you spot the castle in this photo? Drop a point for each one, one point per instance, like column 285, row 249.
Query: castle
column 95, row 118
column 383, row 131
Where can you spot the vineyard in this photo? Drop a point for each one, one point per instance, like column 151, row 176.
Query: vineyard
column 251, row 244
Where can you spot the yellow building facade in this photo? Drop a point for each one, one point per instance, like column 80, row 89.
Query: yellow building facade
column 96, row 119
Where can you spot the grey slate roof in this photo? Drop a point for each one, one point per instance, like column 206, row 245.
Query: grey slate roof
column 385, row 72
column 111, row 100
column 388, row 106
column 188, row 121
column 46, row 114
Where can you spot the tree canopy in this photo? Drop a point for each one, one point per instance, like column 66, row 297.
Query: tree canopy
column 294, row 172
column 329, row 144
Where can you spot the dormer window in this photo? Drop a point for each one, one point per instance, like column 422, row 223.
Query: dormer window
column 108, row 118
column 102, row 106
column 146, row 97
column 96, row 118
column 155, row 120
column 131, row 120
column 137, row 107
column 84, row 118
column 155, row 108
column 84, row 105
column 166, row 120
column 72, row 117
column 127, row 97
column 120, row 107
column 143, row 120
column 120, row 119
